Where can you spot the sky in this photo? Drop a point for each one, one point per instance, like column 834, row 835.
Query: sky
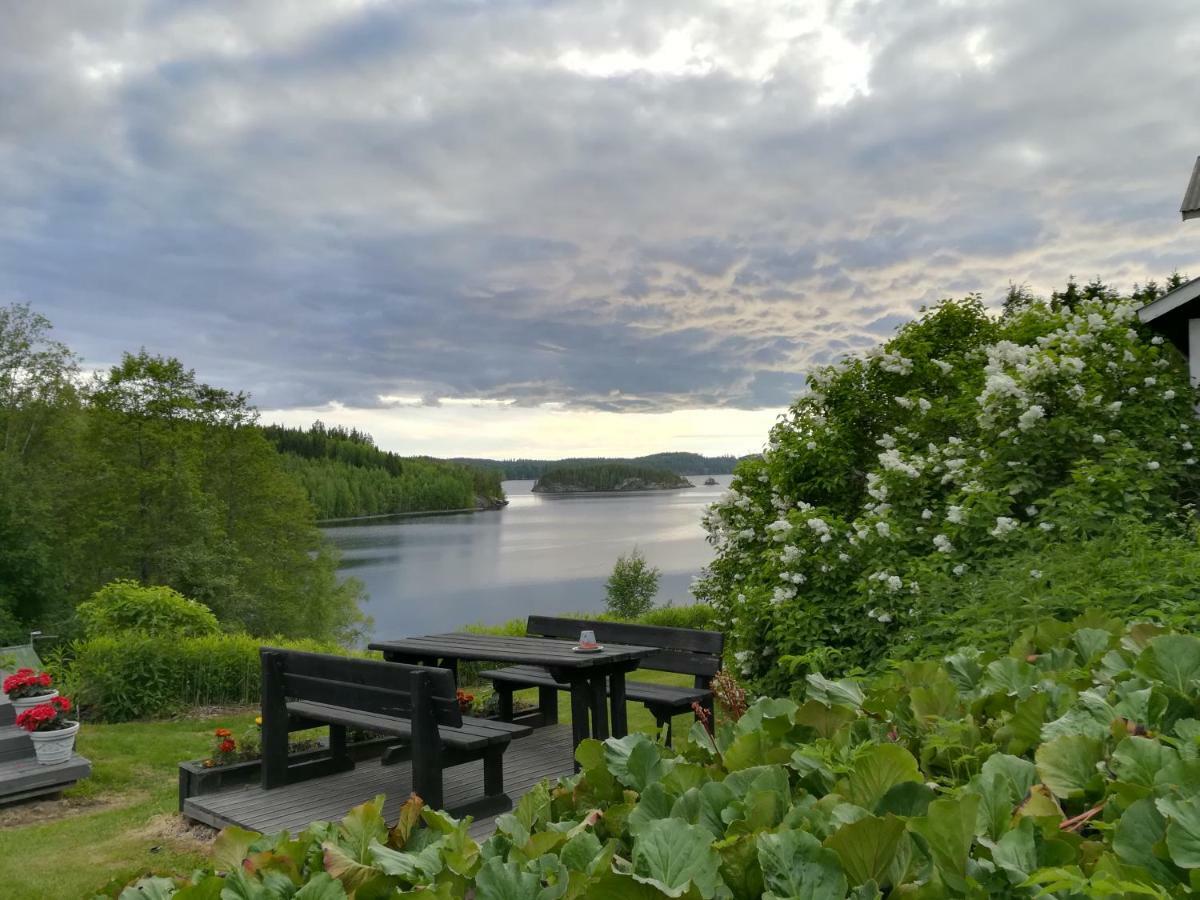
column 568, row 227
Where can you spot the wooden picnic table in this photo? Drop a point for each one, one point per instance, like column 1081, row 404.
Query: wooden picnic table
column 590, row 675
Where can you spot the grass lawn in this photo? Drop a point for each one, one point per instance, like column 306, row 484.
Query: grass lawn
column 122, row 822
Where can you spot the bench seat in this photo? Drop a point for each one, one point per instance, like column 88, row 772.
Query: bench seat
column 475, row 734
column 661, row 696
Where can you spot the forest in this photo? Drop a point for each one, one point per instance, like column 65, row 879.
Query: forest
column 607, row 477
column 346, row 475
column 678, row 462
column 143, row 472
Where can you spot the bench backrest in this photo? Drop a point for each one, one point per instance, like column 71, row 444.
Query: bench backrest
column 686, row 650
column 369, row 685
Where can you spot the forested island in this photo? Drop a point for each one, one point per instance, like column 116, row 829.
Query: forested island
column 678, row 462
column 608, row 477
column 347, row 476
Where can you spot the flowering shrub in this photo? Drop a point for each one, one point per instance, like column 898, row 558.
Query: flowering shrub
column 27, row 683
column 961, row 442
column 49, row 716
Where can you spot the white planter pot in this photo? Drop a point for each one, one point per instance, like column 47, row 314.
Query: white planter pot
column 24, row 703
column 54, row 747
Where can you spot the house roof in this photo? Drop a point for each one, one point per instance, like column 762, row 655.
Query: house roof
column 1171, row 300
column 1191, row 199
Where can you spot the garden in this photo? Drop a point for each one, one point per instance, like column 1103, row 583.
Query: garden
column 959, row 590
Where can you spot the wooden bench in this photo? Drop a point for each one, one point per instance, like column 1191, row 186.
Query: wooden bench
column 414, row 703
column 683, row 650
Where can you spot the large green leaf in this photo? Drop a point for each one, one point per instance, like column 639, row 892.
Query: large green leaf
column 1139, row 760
column 321, row 886
column 756, row 748
column 834, row 693
column 150, row 889
column 362, row 827
column 1138, row 831
column 1067, row 765
column 1091, row 642
column 879, row 769
column 769, row 715
column 1091, row 715
column 1016, row 852
column 795, row 866
column 1009, row 676
column 1175, row 660
column 824, row 720
column 1183, row 828
column 232, row 846
column 1023, row 728
column 674, row 856
column 867, row 847
column 949, row 831
column 498, row 880
column 635, row 760
column 655, row 803
column 418, row 867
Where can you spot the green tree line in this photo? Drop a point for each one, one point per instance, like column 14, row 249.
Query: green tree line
column 678, row 462
column 604, row 477
column 345, row 475
column 143, row 472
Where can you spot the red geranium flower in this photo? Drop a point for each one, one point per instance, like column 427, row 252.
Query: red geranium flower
column 223, row 732
column 27, row 683
column 227, row 746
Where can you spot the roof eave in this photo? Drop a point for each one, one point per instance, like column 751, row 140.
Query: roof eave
column 1169, row 301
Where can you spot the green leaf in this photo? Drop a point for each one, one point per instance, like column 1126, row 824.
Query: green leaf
column 653, row 804
column 834, row 693
column 1020, row 773
column 231, row 847
column 1175, row 660
column 418, row 867
column 1009, row 676
column 877, row 771
column 1016, row 852
column 1067, row 765
column 343, row 866
column 580, row 851
column 362, row 827
column 824, row 720
column 150, row 889
column 1137, row 832
column 795, row 866
column 949, row 830
column 1091, row 642
column 673, row 856
column 635, row 761
column 498, row 880
column 964, row 669
column 769, row 715
column 1183, row 827
column 909, row 798
column 1091, row 715
column 1023, row 729
column 867, row 847
column 321, row 886
column 1139, row 760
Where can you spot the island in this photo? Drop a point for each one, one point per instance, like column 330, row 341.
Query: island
column 607, row 478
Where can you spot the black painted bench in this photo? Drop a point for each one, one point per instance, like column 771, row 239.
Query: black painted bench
column 414, row 703
column 683, row 650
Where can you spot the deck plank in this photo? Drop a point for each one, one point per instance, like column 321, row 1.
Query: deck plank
column 547, row 754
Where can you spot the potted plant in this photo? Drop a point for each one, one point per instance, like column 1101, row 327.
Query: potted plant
column 27, row 688
column 53, row 735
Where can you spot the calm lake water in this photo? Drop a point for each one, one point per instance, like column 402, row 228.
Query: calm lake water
column 541, row 554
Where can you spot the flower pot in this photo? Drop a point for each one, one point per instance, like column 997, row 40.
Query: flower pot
column 20, row 704
column 54, row 747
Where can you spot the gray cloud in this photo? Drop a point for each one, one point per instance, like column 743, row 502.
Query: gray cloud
column 629, row 206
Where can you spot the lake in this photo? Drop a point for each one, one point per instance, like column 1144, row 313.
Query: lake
column 540, row 554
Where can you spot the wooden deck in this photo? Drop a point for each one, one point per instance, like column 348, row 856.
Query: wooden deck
column 546, row 754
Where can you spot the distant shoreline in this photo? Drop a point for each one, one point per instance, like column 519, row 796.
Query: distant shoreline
column 419, row 514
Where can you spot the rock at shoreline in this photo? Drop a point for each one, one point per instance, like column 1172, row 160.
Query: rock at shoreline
column 482, row 502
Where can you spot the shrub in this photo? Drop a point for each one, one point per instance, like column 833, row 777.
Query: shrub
column 124, row 605
column 1066, row 769
column 137, row 676
column 632, row 585
column 964, row 443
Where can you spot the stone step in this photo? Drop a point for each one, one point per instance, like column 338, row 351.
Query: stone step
column 15, row 743
column 7, row 716
column 21, row 779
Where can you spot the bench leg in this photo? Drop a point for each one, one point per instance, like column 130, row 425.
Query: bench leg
column 548, row 704
column 662, row 718
column 504, row 702
column 580, row 708
column 337, row 746
column 493, row 770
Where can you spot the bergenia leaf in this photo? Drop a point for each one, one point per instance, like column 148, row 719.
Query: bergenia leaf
column 674, row 857
column 796, row 867
column 1067, row 765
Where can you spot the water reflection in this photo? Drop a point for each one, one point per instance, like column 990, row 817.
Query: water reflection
column 542, row 554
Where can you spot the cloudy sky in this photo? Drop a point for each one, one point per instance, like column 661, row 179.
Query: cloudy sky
column 548, row 227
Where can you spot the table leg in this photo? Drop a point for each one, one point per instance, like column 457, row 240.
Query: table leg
column 599, row 705
column 580, row 708
column 616, row 693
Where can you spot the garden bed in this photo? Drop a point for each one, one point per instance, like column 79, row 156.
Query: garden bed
column 196, row 779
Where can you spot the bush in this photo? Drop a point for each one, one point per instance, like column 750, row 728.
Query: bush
column 631, row 587
column 124, row 605
column 139, row 676
column 1068, row 769
column 961, row 446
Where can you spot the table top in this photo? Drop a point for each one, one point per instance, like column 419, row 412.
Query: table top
column 535, row 651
